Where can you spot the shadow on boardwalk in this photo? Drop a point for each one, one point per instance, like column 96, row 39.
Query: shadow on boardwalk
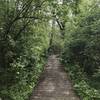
column 54, row 84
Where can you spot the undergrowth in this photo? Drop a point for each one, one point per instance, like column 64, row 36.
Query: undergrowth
column 81, row 83
column 23, row 89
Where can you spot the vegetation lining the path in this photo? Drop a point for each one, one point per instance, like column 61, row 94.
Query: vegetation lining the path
column 29, row 27
column 81, row 83
column 24, row 42
column 81, row 55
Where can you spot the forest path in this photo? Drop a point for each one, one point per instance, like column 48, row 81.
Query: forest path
column 54, row 83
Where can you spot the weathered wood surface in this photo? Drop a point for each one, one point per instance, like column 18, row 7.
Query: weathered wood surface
column 54, row 84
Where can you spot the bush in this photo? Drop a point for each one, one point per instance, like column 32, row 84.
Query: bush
column 81, row 55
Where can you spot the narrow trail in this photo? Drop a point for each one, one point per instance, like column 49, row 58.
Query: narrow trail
column 54, row 84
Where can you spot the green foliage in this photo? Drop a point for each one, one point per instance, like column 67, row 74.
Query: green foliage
column 81, row 83
column 24, row 42
column 81, row 52
column 22, row 89
column 57, row 44
column 29, row 29
column 83, row 47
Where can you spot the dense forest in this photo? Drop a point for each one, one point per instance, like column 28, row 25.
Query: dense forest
column 31, row 30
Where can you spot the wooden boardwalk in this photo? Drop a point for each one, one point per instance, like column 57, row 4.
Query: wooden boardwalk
column 54, row 84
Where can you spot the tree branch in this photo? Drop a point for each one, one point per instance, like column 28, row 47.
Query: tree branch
column 18, row 16
column 21, row 30
column 60, row 24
